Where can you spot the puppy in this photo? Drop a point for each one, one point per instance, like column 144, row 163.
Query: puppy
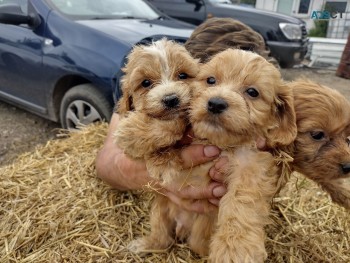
column 217, row 34
column 324, row 160
column 153, row 110
column 321, row 150
column 233, row 105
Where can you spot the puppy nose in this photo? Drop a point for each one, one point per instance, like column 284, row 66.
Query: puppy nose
column 345, row 168
column 171, row 101
column 217, row 105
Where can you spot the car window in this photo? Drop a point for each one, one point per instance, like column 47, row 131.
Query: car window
column 22, row 3
column 104, row 9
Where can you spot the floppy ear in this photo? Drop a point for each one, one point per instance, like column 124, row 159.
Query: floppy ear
column 286, row 130
column 125, row 103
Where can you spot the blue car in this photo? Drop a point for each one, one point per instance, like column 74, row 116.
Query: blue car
column 62, row 59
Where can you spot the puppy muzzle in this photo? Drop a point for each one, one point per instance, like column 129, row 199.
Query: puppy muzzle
column 217, row 105
column 171, row 101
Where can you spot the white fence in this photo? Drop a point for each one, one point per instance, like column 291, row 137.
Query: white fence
column 325, row 52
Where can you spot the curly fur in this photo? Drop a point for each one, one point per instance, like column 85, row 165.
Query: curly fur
column 151, row 124
column 238, row 227
column 317, row 108
column 321, row 148
column 235, row 233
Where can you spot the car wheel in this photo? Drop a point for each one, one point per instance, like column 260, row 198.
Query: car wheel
column 83, row 105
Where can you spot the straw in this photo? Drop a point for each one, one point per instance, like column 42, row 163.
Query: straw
column 53, row 208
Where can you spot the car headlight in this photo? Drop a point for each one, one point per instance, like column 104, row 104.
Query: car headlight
column 291, row 31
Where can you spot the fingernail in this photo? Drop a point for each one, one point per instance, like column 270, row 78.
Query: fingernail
column 219, row 191
column 211, row 151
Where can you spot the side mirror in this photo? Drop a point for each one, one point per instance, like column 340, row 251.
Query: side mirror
column 13, row 15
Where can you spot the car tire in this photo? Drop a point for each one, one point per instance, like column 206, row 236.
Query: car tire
column 83, row 105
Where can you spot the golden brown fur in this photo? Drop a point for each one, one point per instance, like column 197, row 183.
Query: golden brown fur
column 316, row 107
column 156, row 96
column 150, row 131
column 147, row 125
column 321, row 150
column 237, row 230
column 232, row 105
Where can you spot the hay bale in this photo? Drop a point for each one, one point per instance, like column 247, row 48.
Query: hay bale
column 54, row 209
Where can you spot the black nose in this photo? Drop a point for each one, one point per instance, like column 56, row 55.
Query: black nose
column 217, row 105
column 171, row 101
column 345, row 168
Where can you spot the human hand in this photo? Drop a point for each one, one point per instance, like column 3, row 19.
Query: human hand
column 201, row 199
column 204, row 199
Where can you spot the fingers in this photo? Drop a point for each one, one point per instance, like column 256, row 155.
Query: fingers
column 218, row 171
column 196, row 154
column 213, row 190
column 197, row 199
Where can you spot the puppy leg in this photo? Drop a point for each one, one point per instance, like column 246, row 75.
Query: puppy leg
column 139, row 135
column 162, row 227
column 244, row 210
column 201, row 232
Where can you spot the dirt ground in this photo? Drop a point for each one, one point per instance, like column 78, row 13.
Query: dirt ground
column 21, row 131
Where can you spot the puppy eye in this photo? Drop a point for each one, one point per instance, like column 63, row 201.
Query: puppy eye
column 183, row 76
column 146, row 83
column 317, row 135
column 252, row 92
column 348, row 140
column 211, row 80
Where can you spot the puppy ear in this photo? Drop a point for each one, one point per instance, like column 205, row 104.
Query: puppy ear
column 125, row 103
column 286, row 130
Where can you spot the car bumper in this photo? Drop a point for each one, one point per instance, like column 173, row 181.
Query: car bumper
column 288, row 53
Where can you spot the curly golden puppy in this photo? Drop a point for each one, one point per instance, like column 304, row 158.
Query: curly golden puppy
column 325, row 160
column 232, row 105
column 321, row 150
column 156, row 96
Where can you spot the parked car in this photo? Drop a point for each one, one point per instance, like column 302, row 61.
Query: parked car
column 286, row 36
column 62, row 59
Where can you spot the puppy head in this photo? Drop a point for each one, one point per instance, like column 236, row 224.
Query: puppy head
column 238, row 95
column 321, row 149
column 218, row 34
column 156, row 80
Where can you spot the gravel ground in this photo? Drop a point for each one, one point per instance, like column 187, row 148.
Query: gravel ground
column 21, row 131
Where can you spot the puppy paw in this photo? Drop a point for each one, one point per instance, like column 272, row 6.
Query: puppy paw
column 147, row 245
column 138, row 246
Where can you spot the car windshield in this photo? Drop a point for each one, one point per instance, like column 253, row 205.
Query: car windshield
column 105, row 9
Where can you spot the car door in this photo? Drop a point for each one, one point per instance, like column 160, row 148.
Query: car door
column 21, row 64
column 191, row 11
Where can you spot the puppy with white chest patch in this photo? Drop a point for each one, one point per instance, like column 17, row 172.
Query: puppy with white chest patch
column 153, row 110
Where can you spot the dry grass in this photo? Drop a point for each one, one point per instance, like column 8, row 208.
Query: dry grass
column 54, row 209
